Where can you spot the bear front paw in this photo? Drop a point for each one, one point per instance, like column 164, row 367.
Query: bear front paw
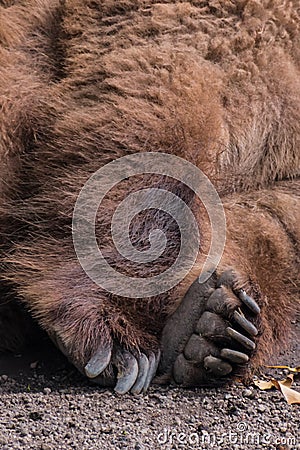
column 131, row 373
column 113, row 365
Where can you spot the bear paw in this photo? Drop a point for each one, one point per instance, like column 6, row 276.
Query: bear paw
column 133, row 373
column 114, row 366
column 211, row 336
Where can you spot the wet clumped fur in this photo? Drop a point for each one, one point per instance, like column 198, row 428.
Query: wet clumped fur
column 84, row 82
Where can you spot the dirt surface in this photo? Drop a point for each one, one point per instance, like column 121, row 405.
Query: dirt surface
column 45, row 404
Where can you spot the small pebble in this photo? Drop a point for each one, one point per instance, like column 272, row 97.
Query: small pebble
column 45, row 447
column 178, row 421
column 47, row 391
column 261, row 408
column 248, row 393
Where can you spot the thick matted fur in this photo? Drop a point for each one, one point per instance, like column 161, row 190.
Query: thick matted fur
column 83, row 82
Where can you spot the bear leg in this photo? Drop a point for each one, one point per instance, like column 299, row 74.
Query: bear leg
column 233, row 323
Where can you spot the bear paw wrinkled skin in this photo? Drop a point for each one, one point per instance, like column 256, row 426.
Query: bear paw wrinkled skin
column 212, row 334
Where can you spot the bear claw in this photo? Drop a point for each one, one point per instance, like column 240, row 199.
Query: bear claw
column 249, row 302
column 153, row 365
column 140, row 382
column 128, row 370
column 241, row 339
column 234, row 356
column 99, row 361
column 217, row 366
column 134, row 373
column 245, row 324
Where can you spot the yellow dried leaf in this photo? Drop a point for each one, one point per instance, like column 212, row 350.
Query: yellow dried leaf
column 290, row 395
column 284, row 386
column 288, row 381
column 263, row 385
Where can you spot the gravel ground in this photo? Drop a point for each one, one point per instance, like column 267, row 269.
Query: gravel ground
column 46, row 405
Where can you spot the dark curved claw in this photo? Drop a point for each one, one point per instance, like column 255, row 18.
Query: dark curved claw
column 99, row 361
column 249, row 302
column 244, row 323
column 127, row 371
column 240, row 338
column 216, row 366
column 234, row 356
column 143, row 365
column 153, row 364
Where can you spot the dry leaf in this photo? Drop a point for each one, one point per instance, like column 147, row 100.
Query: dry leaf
column 284, row 386
column 263, row 385
column 288, row 381
column 290, row 395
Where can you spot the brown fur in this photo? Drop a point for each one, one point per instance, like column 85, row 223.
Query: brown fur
column 85, row 82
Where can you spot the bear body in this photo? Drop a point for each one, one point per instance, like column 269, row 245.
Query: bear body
column 83, row 83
